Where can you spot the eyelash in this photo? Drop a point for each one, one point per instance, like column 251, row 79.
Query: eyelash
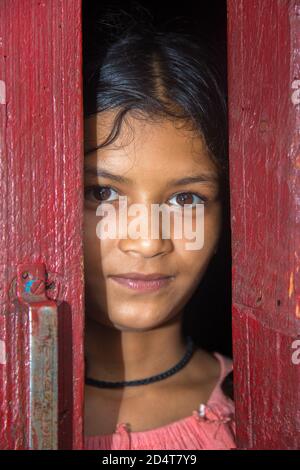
column 90, row 188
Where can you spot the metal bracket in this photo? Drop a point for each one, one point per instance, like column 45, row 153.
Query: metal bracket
column 43, row 356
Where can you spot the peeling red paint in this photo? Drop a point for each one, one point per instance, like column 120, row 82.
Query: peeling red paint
column 263, row 69
column 41, row 154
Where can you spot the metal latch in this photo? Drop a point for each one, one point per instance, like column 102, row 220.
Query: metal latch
column 43, row 356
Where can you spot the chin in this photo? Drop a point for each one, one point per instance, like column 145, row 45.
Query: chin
column 135, row 323
column 129, row 328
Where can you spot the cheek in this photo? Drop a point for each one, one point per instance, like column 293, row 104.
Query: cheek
column 199, row 233
column 95, row 249
column 189, row 261
column 90, row 242
column 193, row 260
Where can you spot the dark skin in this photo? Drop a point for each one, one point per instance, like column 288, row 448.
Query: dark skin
column 131, row 335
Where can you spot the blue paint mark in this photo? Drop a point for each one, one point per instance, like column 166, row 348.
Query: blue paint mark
column 28, row 285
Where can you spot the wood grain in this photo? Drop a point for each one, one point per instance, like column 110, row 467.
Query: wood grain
column 263, row 62
column 41, row 161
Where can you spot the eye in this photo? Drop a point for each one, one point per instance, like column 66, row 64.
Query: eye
column 186, row 199
column 100, row 193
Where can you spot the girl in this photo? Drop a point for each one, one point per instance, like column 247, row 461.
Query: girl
column 155, row 133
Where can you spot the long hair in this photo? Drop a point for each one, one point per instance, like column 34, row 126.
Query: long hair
column 160, row 74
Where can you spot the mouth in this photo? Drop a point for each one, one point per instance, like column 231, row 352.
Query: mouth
column 143, row 283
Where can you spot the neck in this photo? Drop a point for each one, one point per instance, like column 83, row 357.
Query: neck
column 117, row 355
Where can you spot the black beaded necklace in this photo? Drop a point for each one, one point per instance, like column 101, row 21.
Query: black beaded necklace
column 148, row 380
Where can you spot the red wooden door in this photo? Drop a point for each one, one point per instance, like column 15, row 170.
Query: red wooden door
column 264, row 123
column 41, row 154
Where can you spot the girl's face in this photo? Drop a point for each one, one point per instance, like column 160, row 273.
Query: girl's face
column 146, row 160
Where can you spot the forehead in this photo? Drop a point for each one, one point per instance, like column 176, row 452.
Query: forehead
column 160, row 142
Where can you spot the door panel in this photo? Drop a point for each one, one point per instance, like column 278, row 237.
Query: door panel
column 41, row 154
column 264, row 118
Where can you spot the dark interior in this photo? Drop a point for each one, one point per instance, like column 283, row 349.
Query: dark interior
column 208, row 314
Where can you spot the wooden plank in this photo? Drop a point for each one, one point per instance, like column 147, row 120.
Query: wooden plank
column 264, row 118
column 41, row 161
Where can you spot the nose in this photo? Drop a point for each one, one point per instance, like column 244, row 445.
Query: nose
column 147, row 246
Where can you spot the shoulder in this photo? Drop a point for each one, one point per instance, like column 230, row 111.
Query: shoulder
column 221, row 366
column 206, row 367
column 227, row 385
column 213, row 372
column 226, row 382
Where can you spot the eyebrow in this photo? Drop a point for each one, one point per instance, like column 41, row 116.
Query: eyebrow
column 199, row 178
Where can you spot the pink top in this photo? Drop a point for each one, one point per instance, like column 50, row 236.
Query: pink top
column 211, row 427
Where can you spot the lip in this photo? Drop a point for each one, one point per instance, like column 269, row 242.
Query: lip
column 142, row 277
column 141, row 282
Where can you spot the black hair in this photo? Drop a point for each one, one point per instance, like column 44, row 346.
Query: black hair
column 160, row 74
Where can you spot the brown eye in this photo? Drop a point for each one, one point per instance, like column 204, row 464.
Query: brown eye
column 189, row 199
column 100, row 193
column 184, row 198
